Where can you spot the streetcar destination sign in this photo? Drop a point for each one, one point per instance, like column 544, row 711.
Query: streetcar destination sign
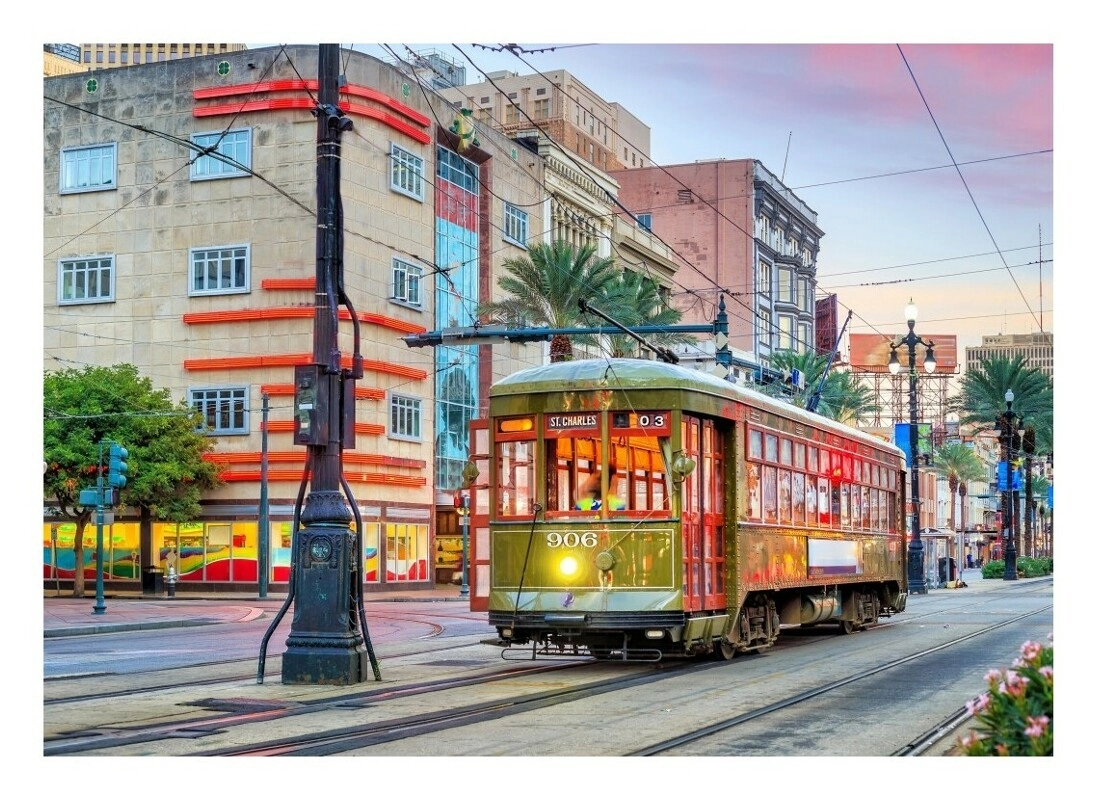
column 565, row 422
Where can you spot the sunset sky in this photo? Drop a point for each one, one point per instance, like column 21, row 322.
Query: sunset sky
column 867, row 136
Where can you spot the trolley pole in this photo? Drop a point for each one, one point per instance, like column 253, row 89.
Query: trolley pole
column 324, row 645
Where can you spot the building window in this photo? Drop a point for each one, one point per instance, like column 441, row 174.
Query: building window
column 766, row 274
column 406, row 283
column 220, row 270
column 785, row 332
column 516, row 225
column 764, row 333
column 223, row 411
column 89, row 169
column 85, row 280
column 228, row 154
column 645, row 221
column 407, row 173
column 785, row 285
column 541, row 109
column 405, row 418
column 804, row 337
column 512, row 113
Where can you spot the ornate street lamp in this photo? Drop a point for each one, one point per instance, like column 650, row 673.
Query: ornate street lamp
column 916, row 578
column 1009, row 436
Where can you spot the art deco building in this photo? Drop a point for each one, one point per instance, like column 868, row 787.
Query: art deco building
column 180, row 236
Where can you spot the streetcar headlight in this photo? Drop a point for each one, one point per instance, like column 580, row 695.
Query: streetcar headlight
column 568, row 565
column 655, row 634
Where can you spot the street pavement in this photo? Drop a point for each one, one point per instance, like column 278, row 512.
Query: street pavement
column 129, row 611
column 68, row 616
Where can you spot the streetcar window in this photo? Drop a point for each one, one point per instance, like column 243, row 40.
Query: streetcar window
column 813, row 459
column 799, row 455
column 755, row 444
column 515, row 481
column 798, row 498
column 770, row 494
column 787, row 452
column 810, row 499
column 823, row 489
column 753, row 492
column 770, row 448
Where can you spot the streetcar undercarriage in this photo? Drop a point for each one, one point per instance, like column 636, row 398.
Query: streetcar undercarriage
column 638, row 637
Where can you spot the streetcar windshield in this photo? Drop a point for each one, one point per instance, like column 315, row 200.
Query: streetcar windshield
column 622, row 475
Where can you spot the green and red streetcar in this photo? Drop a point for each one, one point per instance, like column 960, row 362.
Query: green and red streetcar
column 639, row 509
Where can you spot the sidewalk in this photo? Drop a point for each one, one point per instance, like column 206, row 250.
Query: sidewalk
column 129, row 611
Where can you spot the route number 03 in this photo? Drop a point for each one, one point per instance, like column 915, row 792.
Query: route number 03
column 572, row 539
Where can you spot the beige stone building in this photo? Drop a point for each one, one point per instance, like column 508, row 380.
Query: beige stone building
column 601, row 132
column 180, row 236
column 1038, row 350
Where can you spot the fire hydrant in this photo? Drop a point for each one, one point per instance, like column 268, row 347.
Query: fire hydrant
column 172, row 579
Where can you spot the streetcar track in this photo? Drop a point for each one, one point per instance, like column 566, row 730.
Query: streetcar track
column 360, row 737
column 709, row 730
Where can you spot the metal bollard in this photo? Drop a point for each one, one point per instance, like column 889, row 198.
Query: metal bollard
column 172, row 579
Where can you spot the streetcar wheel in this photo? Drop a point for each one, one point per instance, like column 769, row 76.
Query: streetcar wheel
column 847, row 626
column 725, row 650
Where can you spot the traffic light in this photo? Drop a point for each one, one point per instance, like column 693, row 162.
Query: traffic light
column 118, row 465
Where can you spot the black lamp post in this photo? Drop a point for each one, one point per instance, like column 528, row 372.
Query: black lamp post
column 1008, row 436
column 916, row 577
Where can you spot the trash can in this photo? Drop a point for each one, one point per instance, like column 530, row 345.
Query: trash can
column 151, row 583
column 946, row 570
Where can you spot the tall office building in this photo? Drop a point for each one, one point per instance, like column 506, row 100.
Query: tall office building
column 1038, row 350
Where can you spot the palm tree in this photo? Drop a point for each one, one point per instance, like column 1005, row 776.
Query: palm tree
column 633, row 300
column 843, row 397
column 959, row 464
column 983, row 389
column 982, row 399
column 544, row 287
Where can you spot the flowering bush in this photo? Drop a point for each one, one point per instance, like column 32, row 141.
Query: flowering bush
column 1014, row 716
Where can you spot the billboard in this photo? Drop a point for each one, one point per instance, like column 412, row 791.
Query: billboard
column 869, row 352
column 827, row 324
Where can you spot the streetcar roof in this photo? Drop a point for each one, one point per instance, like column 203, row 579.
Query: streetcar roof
column 635, row 373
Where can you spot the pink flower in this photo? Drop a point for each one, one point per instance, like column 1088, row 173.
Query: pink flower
column 969, row 740
column 1015, row 684
column 978, row 704
column 1036, row 726
column 1030, row 650
column 993, row 676
column 1047, row 671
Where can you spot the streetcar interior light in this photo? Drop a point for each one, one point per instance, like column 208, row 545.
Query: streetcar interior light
column 516, row 425
column 568, row 565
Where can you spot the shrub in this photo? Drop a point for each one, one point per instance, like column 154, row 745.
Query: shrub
column 1026, row 567
column 1015, row 716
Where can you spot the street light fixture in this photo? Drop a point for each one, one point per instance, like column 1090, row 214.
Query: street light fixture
column 916, row 578
column 1008, row 436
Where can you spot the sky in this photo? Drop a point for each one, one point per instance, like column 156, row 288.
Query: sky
column 930, row 167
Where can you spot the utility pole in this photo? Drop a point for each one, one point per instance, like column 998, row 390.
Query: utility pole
column 324, row 644
column 263, row 505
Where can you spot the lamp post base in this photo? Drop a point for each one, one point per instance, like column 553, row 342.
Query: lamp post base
column 916, row 580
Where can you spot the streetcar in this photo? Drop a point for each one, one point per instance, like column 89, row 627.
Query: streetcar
column 639, row 509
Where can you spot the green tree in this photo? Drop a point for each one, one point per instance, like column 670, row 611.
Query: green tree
column 632, row 299
column 959, row 464
column 167, row 471
column 843, row 396
column 982, row 396
column 544, row 288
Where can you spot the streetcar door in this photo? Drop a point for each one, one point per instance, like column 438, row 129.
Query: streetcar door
column 703, row 515
column 479, row 580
